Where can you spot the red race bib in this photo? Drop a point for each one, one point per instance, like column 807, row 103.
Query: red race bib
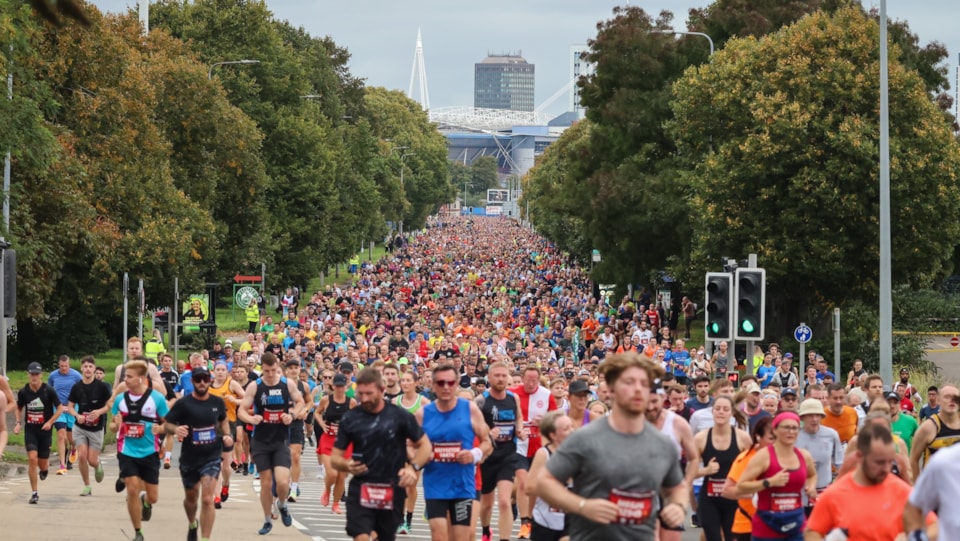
column 134, row 430
column 272, row 416
column 376, row 496
column 34, row 417
column 784, row 501
column 632, row 507
column 534, row 430
column 333, row 428
column 446, row 451
column 715, row 487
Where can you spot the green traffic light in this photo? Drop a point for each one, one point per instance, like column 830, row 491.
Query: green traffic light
column 747, row 326
column 715, row 328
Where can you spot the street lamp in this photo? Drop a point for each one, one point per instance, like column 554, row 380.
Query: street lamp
column 886, row 302
column 675, row 32
column 403, row 191
column 210, row 72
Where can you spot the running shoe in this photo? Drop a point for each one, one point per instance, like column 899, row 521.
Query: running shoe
column 516, row 513
column 34, row 498
column 267, row 526
column 98, row 472
column 485, row 537
column 524, row 531
column 87, row 491
column 325, row 499
column 244, row 469
column 62, row 470
column 43, row 474
column 138, row 537
column 233, row 465
column 251, row 468
column 147, row 510
column 336, row 508
column 73, row 456
column 192, row 531
column 217, row 503
column 69, row 465
column 120, row 485
column 403, row 529
column 292, row 498
column 256, row 475
column 285, row 516
column 166, row 463
column 224, row 493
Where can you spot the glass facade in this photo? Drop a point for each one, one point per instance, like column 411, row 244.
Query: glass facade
column 504, row 82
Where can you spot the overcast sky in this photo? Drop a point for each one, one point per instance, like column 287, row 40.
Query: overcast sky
column 381, row 35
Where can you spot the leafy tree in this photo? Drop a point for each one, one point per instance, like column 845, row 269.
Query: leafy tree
column 779, row 135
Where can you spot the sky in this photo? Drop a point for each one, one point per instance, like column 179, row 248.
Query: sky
column 381, row 35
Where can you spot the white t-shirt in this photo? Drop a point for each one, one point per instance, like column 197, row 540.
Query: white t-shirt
column 937, row 490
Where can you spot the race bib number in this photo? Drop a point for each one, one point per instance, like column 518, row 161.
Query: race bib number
column 784, row 501
column 533, row 430
column 376, row 496
column 715, row 487
column 507, row 431
column 333, row 429
column 34, row 417
column 272, row 416
column 204, row 436
column 446, row 451
column 632, row 507
column 134, row 430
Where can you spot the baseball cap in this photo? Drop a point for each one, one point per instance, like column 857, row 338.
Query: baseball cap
column 891, row 396
column 751, row 387
column 579, row 386
column 339, row 380
column 789, row 391
column 345, row 366
column 906, row 405
column 788, row 355
column 34, row 368
column 228, row 343
column 902, row 370
column 199, row 372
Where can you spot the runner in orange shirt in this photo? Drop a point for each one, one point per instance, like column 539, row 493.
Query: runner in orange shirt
column 762, row 436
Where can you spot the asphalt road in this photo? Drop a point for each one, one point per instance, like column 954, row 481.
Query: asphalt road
column 945, row 356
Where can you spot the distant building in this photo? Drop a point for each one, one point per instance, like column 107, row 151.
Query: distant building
column 503, row 82
column 578, row 67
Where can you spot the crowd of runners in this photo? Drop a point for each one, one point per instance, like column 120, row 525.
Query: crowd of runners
column 472, row 367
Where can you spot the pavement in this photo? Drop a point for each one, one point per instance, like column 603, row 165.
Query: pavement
column 945, row 356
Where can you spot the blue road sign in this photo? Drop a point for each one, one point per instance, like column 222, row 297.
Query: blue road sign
column 802, row 334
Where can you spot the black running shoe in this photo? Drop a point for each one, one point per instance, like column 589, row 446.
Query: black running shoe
column 192, row 532
column 147, row 509
column 35, row 498
column 121, row 485
column 43, row 474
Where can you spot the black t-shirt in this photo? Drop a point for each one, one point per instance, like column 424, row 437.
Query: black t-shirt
column 379, row 440
column 88, row 397
column 170, row 381
column 39, row 404
column 203, row 444
column 391, row 397
column 502, row 414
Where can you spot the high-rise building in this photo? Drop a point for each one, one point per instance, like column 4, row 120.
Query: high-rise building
column 503, row 82
column 578, row 67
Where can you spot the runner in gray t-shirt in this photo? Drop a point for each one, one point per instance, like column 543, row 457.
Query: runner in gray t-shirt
column 621, row 466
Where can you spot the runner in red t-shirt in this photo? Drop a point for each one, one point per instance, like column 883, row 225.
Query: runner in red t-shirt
column 535, row 401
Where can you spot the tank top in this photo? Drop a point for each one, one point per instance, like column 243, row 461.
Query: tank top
column 412, row 409
column 543, row 514
column 223, row 392
column 724, row 457
column 332, row 415
column 450, row 432
column 720, row 370
column 271, row 401
column 945, row 437
column 668, row 431
column 779, row 499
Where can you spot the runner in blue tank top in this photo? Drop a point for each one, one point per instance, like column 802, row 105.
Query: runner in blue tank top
column 461, row 439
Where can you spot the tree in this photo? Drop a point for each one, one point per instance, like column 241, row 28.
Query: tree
column 779, row 136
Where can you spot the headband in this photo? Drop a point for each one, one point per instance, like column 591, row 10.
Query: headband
column 785, row 416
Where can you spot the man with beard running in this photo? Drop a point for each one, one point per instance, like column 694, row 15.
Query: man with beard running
column 199, row 420
column 461, row 439
column 378, row 431
column 88, row 403
column 276, row 402
column 868, row 504
column 501, row 411
column 612, row 499
column 42, row 407
column 137, row 416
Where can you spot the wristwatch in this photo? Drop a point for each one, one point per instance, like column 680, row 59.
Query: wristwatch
column 766, row 483
column 416, row 467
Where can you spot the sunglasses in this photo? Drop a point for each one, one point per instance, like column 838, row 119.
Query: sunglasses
column 204, row 378
column 445, row 382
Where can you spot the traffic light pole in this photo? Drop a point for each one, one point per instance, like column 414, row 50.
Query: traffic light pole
column 751, row 264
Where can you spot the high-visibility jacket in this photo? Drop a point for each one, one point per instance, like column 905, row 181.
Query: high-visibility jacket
column 253, row 313
column 153, row 348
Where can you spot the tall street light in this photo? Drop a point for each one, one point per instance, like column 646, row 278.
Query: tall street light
column 403, row 191
column 886, row 303
column 245, row 61
column 675, row 32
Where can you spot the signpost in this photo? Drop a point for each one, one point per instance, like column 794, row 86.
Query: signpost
column 955, row 341
column 802, row 334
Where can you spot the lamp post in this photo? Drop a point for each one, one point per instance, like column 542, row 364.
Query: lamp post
column 675, row 32
column 403, row 191
column 245, row 61
column 886, row 303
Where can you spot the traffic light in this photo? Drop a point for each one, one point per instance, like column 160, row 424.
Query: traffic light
column 719, row 312
column 751, row 298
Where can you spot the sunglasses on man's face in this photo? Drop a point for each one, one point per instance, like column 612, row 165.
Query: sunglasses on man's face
column 202, row 379
column 445, row 382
